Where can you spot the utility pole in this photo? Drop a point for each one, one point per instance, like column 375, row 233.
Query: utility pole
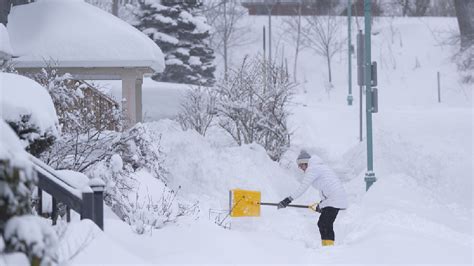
column 360, row 76
column 349, row 51
column 270, row 34
column 225, row 40
column 269, row 4
column 369, row 175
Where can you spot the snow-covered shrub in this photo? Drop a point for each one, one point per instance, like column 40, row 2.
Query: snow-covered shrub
column 136, row 180
column 198, row 109
column 140, row 149
column 33, row 236
column 26, row 129
column 78, row 151
column 28, row 109
column 19, row 231
column 16, row 176
column 16, row 185
column 252, row 106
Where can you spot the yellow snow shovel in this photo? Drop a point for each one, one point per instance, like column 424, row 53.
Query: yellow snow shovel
column 246, row 203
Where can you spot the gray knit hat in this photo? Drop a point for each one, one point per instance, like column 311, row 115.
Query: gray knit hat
column 303, row 157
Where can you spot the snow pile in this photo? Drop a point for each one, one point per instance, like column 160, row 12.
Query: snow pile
column 78, row 35
column 38, row 104
column 83, row 241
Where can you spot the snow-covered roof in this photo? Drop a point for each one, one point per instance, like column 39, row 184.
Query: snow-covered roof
column 21, row 96
column 77, row 34
column 5, row 47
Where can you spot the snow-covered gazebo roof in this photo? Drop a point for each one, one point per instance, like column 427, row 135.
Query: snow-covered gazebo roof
column 86, row 42
column 77, row 34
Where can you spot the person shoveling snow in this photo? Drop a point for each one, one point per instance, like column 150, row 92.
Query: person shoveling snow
column 333, row 195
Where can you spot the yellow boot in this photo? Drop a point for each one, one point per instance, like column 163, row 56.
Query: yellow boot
column 328, row 243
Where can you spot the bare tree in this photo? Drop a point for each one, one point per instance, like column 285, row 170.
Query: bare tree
column 293, row 28
column 197, row 109
column 252, row 105
column 323, row 36
column 225, row 16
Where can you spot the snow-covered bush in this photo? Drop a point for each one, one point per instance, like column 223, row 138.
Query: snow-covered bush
column 252, row 106
column 140, row 149
column 26, row 129
column 136, row 181
column 16, row 176
column 20, row 231
column 28, row 109
column 33, row 236
column 198, row 109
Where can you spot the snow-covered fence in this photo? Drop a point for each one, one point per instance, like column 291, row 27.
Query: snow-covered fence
column 84, row 198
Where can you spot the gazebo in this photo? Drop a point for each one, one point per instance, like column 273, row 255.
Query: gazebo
column 86, row 42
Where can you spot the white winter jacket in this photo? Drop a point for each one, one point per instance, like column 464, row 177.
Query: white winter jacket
column 326, row 181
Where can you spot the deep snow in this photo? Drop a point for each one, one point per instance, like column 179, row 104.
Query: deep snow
column 419, row 210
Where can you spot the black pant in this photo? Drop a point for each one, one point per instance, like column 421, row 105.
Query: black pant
column 326, row 222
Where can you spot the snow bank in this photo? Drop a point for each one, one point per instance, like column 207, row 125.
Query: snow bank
column 21, row 96
column 84, row 242
column 77, row 34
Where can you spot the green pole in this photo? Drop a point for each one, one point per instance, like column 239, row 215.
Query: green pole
column 369, row 175
column 349, row 14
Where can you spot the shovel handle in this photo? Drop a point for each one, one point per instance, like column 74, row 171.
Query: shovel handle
column 291, row 205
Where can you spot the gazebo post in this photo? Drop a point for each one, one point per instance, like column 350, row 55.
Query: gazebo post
column 132, row 96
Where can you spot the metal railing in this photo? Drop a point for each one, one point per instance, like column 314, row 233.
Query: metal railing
column 87, row 201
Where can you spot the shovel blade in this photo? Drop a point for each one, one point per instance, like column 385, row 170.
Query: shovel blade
column 244, row 203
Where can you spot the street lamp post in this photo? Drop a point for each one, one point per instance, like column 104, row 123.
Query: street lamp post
column 369, row 175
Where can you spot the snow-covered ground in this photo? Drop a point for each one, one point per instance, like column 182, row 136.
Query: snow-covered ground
column 419, row 210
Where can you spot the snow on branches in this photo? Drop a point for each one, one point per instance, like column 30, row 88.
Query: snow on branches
column 251, row 106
